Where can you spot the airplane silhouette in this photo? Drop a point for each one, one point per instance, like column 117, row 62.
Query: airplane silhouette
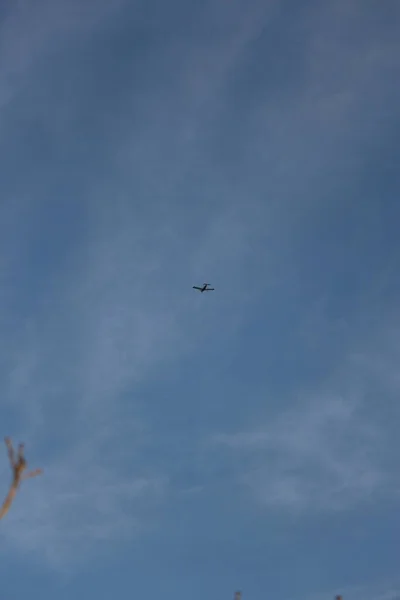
column 203, row 288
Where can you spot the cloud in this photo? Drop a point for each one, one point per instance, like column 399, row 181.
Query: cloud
column 324, row 453
column 150, row 168
column 77, row 505
column 71, row 379
column 97, row 323
column 96, row 300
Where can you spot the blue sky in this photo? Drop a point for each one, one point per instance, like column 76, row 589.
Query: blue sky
column 198, row 444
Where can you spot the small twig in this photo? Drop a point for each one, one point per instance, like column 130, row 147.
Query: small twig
column 18, row 467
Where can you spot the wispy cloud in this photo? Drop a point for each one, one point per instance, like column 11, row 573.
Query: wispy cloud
column 70, row 383
column 101, row 316
column 325, row 453
column 145, row 150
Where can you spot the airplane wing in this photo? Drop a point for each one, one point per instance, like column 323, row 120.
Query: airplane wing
column 209, row 289
column 197, row 288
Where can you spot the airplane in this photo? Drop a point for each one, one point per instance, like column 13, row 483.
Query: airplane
column 203, row 288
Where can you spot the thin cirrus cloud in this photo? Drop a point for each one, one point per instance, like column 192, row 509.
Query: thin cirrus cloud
column 105, row 329
column 326, row 449
column 147, row 149
column 315, row 457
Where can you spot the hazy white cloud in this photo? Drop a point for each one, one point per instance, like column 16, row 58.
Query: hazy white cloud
column 164, row 209
column 106, row 321
column 71, row 373
column 322, row 454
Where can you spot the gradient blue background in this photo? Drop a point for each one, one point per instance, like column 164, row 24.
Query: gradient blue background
column 195, row 444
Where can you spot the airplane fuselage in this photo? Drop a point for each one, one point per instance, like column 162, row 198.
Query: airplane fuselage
column 203, row 288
